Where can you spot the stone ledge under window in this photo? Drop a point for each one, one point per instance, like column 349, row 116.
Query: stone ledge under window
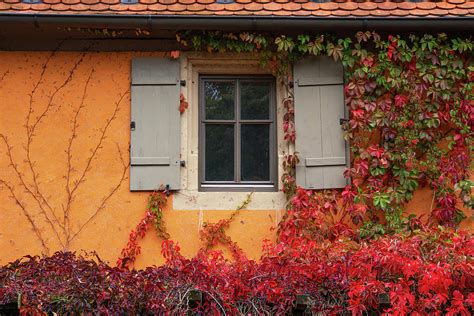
column 194, row 200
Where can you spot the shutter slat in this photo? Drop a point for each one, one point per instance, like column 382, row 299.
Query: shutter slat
column 155, row 140
column 150, row 161
column 319, row 105
column 332, row 161
column 322, row 81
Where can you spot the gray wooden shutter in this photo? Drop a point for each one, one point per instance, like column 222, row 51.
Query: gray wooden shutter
column 319, row 106
column 155, row 124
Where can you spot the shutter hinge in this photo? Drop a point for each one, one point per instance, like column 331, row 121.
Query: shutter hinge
column 167, row 190
column 342, row 121
column 132, row 125
column 182, row 163
column 182, row 83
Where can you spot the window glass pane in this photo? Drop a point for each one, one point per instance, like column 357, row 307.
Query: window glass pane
column 219, row 100
column 255, row 152
column 255, row 100
column 219, row 152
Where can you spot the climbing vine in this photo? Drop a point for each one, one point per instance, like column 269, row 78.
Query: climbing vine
column 153, row 216
column 213, row 234
column 411, row 105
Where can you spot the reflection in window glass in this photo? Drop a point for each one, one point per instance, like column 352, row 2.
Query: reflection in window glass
column 255, row 100
column 219, row 164
column 219, row 100
column 255, row 152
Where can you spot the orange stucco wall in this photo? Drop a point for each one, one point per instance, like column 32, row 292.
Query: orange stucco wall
column 108, row 232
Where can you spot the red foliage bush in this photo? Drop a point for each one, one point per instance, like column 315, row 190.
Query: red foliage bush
column 428, row 272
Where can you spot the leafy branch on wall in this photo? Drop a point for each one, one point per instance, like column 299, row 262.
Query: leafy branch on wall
column 56, row 219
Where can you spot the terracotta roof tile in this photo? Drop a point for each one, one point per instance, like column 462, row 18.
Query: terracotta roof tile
column 467, row 5
column 138, row 7
column 439, row 12
column 215, row 7
column 5, row 6
column 379, row 13
column 81, row 7
column 406, row 5
column 21, row 6
column 445, row 5
column 242, row 12
column 329, row 8
column 292, row 6
column 459, row 12
column 233, row 7
column 254, row 6
column 161, row 7
column 388, row 6
column 399, row 12
column 310, row 6
column 177, row 7
column 119, row 7
column 272, row 6
column 280, row 13
column 301, row 13
column 262, row 12
column 110, row 1
column 426, row 5
column 367, row 5
column 60, row 7
column 348, row 6
column 321, row 13
column 341, row 12
column 421, row 12
column 193, row 8
column 99, row 7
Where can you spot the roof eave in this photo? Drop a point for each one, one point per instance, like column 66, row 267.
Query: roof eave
column 253, row 23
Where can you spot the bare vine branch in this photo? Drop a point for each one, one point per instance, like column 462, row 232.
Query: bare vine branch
column 125, row 166
column 27, row 188
column 75, row 125
column 3, row 76
column 27, row 215
column 96, row 149
column 30, row 130
column 60, row 226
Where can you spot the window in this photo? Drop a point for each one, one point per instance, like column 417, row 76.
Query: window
column 237, row 134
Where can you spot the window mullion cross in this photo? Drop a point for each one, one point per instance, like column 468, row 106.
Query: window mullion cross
column 237, row 132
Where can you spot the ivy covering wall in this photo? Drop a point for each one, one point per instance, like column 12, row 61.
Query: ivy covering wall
column 411, row 104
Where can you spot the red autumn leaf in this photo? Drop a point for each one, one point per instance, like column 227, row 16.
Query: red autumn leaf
column 183, row 104
column 175, row 54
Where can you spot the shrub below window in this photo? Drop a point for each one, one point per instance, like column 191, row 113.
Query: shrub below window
column 419, row 273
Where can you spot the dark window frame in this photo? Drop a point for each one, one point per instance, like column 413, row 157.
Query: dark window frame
column 242, row 186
